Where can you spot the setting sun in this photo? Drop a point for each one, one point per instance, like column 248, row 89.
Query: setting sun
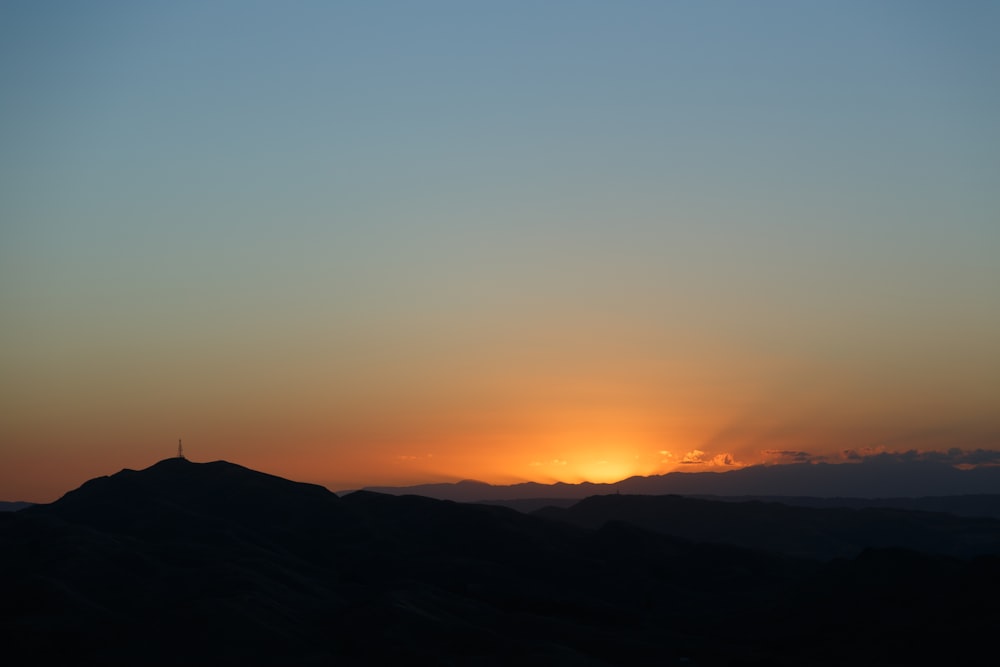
column 414, row 246
column 605, row 471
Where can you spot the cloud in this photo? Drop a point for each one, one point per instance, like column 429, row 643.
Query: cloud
column 967, row 457
column 694, row 456
column 698, row 457
column 953, row 456
column 862, row 453
column 725, row 459
column 789, row 456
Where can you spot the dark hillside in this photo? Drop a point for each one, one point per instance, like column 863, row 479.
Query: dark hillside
column 186, row 563
column 822, row 533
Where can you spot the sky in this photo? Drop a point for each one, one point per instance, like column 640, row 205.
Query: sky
column 360, row 243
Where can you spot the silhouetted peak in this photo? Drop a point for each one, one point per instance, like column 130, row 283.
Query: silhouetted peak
column 177, row 486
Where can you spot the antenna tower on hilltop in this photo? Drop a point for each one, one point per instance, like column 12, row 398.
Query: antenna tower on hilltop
column 180, row 449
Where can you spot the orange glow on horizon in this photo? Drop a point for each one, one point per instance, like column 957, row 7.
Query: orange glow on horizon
column 543, row 443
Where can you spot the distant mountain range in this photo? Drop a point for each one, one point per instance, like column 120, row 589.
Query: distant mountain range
column 867, row 479
column 188, row 563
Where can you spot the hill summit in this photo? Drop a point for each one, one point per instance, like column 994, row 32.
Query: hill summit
column 176, row 489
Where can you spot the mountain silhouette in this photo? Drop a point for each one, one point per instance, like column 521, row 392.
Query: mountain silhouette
column 871, row 478
column 179, row 487
column 794, row 530
column 212, row 563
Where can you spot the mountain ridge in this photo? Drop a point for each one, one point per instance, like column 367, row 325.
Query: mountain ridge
column 188, row 563
column 866, row 479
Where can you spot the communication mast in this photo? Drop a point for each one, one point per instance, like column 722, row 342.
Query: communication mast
column 180, row 449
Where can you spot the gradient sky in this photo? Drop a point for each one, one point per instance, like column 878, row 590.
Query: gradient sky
column 361, row 243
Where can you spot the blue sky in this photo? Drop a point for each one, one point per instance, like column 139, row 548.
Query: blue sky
column 283, row 226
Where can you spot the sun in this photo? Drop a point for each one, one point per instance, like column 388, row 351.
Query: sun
column 604, row 471
column 604, row 462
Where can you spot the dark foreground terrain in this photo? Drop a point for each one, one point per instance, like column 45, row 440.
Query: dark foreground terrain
column 215, row 564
